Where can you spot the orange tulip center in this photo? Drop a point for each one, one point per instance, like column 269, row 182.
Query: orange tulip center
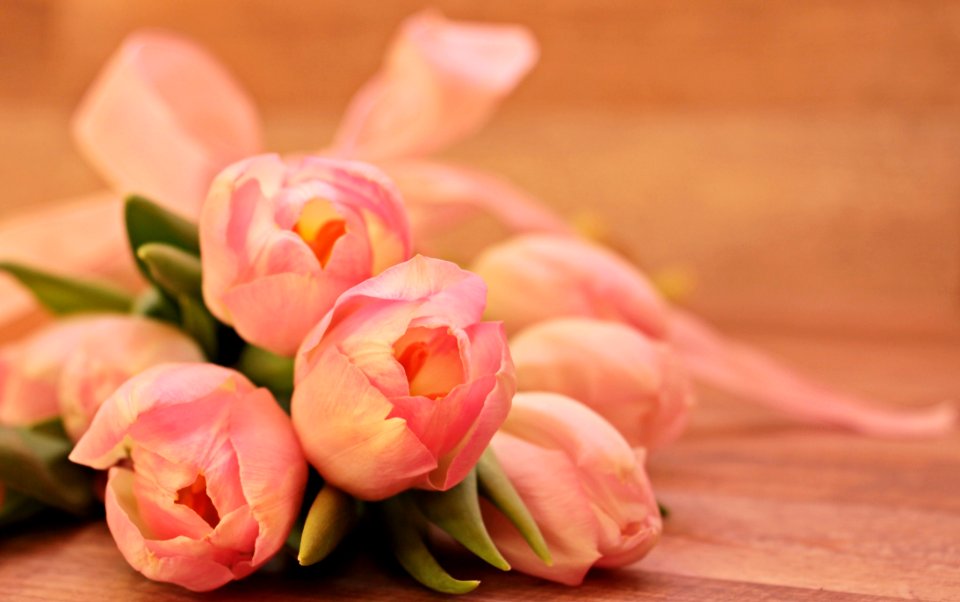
column 430, row 357
column 320, row 226
column 195, row 497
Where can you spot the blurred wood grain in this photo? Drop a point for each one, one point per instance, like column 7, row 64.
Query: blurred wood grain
column 798, row 160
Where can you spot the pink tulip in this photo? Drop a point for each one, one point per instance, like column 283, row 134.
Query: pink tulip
column 206, row 475
column 440, row 81
column 537, row 277
column 585, row 486
column 281, row 240
column 634, row 382
column 163, row 118
column 401, row 385
column 72, row 365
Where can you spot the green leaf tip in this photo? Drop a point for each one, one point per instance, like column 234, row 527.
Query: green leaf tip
column 174, row 270
column 331, row 516
column 407, row 531
column 457, row 511
column 63, row 295
column 496, row 487
column 147, row 221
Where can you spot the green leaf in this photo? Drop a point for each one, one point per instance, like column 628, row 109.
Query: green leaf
column 496, row 487
column 35, row 464
column 63, row 295
column 197, row 321
column 407, row 530
column 173, row 270
column 148, row 222
column 457, row 511
column 267, row 369
column 331, row 516
column 52, row 427
column 16, row 507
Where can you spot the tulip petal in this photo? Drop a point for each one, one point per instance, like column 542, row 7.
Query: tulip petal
column 554, row 421
column 25, row 398
column 344, row 425
column 441, row 197
column 193, row 572
column 163, row 118
column 448, row 293
column 235, row 219
column 440, row 82
column 562, row 456
column 101, row 446
column 636, row 383
column 275, row 296
column 442, row 423
column 372, row 195
column 489, row 355
column 535, row 277
column 269, row 492
column 549, row 485
column 750, row 374
column 160, row 516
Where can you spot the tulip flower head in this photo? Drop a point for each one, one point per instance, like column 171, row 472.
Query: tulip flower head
column 281, row 240
column 206, row 475
column 583, row 483
column 401, row 385
column 535, row 277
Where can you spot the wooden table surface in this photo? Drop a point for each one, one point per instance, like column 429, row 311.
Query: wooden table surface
column 760, row 509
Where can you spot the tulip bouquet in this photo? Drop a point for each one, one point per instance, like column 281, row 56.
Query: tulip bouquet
column 302, row 358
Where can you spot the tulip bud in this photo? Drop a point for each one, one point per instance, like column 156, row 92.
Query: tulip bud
column 401, row 385
column 281, row 240
column 536, row 277
column 206, row 475
column 585, row 486
column 71, row 366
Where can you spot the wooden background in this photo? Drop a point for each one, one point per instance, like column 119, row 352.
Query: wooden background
column 800, row 159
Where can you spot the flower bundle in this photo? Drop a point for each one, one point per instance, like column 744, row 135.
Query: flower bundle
column 301, row 359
